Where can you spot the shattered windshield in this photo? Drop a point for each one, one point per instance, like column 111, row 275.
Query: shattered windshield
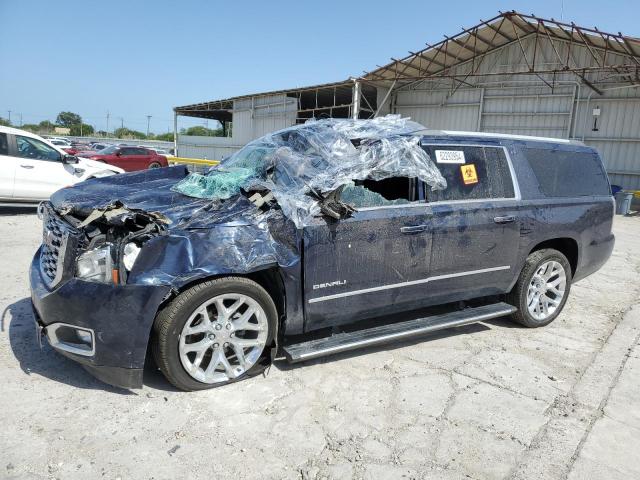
column 255, row 157
column 305, row 164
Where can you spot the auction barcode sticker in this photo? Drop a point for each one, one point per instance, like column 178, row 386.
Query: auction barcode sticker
column 450, row 156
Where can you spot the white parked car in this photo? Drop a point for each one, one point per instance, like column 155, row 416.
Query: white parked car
column 60, row 142
column 31, row 168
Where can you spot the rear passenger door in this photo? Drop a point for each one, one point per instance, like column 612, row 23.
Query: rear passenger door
column 132, row 158
column 474, row 223
column 144, row 157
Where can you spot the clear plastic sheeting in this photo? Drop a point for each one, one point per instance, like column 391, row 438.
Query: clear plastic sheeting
column 303, row 164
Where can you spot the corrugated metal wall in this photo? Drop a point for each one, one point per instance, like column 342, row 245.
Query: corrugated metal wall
column 617, row 137
column 209, row 148
column 525, row 105
column 252, row 118
column 432, row 107
column 256, row 116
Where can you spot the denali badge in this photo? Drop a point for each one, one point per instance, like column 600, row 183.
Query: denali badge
column 330, row 284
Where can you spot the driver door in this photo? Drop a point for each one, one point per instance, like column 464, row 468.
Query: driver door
column 372, row 264
column 39, row 169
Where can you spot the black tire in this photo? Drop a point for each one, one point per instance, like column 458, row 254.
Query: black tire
column 518, row 295
column 170, row 321
column 154, row 165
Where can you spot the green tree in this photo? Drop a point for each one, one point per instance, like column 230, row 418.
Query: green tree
column 78, row 131
column 126, row 133
column 200, row 131
column 46, row 126
column 4, row 122
column 68, row 119
column 30, row 127
column 167, row 137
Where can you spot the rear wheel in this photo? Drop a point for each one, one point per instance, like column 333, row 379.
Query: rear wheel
column 542, row 288
column 215, row 333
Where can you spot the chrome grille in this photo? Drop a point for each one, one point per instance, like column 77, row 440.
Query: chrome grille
column 59, row 246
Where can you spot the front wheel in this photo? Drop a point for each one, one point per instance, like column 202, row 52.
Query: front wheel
column 215, row 333
column 542, row 288
column 154, row 165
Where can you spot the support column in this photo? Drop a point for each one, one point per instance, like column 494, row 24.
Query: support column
column 357, row 94
column 175, row 133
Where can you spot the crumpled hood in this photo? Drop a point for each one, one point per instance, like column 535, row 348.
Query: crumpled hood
column 150, row 191
column 204, row 238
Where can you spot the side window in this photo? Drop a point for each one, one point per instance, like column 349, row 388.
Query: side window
column 4, row 144
column 568, row 174
column 35, row 149
column 472, row 172
column 142, row 151
column 379, row 193
column 127, row 151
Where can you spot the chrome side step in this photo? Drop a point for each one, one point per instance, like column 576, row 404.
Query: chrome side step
column 343, row 342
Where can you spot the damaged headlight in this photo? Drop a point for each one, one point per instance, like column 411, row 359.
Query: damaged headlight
column 95, row 265
column 130, row 253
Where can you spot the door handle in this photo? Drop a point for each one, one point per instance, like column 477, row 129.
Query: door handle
column 26, row 166
column 507, row 219
column 413, row 229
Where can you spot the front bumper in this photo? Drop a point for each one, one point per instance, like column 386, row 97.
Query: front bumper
column 120, row 317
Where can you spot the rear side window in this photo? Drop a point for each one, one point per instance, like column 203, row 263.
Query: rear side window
column 472, row 172
column 4, row 145
column 568, row 174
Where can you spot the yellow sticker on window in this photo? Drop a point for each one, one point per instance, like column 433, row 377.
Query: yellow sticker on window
column 469, row 175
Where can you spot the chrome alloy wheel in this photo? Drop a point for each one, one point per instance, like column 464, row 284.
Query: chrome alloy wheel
column 546, row 290
column 223, row 338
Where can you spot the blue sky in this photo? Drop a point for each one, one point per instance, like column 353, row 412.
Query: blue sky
column 137, row 58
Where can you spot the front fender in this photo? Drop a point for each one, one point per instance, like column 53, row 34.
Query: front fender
column 182, row 257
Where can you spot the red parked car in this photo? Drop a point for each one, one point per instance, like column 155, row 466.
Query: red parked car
column 128, row 158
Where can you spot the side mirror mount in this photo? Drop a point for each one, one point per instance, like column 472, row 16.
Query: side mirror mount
column 70, row 159
column 118, row 153
column 331, row 205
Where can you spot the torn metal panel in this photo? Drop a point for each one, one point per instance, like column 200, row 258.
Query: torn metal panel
column 117, row 214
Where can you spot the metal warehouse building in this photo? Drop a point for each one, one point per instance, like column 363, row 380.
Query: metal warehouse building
column 515, row 74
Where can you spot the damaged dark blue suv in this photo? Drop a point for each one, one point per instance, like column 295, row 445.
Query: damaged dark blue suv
column 313, row 229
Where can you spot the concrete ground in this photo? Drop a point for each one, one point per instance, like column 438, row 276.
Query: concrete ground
column 485, row 401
